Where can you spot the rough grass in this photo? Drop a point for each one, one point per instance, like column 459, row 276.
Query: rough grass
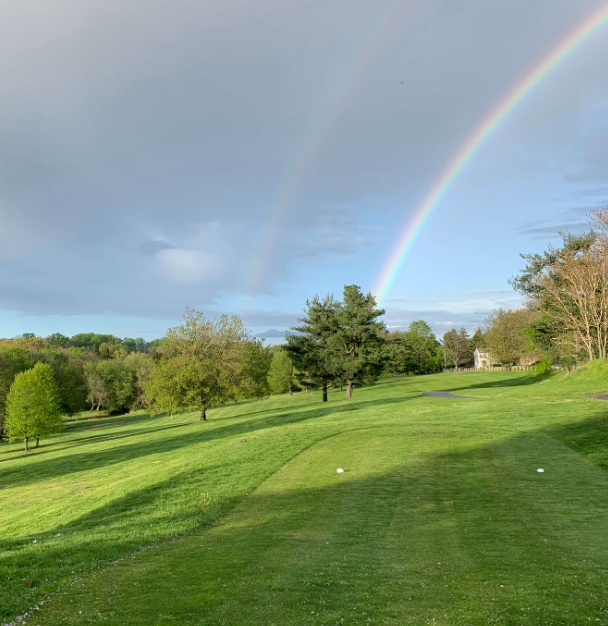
column 439, row 518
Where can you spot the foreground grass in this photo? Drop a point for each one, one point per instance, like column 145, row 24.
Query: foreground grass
column 440, row 517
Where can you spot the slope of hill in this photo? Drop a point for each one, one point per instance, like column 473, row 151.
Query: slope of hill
column 439, row 517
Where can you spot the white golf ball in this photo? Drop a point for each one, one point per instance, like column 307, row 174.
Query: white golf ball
column 540, row 470
column 340, row 470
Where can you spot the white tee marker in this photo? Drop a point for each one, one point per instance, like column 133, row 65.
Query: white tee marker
column 340, row 470
column 540, row 470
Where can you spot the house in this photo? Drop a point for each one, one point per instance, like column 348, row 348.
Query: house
column 483, row 358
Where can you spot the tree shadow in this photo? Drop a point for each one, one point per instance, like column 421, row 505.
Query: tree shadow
column 55, row 467
column 476, row 515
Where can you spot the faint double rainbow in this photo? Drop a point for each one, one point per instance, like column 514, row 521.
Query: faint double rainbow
column 475, row 141
column 306, row 158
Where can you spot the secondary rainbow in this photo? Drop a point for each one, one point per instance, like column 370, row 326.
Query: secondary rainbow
column 301, row 166
column 481, row 134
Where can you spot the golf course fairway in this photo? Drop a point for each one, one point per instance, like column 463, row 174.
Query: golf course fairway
column 440, row 516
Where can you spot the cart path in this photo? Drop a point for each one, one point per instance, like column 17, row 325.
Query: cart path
column 449, row 394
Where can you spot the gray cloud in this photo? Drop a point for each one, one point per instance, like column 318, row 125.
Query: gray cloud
column 126, row 121
column 551, row 232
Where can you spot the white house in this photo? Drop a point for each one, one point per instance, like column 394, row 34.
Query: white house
column 483, row 358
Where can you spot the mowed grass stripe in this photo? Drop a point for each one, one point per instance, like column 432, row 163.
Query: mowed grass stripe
column 431, row 481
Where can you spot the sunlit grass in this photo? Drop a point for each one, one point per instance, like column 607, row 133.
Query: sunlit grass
column 440, row 516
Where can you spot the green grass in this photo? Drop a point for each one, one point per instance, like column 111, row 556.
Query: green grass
column 440, row 517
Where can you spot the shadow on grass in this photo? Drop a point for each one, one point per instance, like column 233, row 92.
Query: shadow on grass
column 24, row 474
column 522, row 381
column 475, row 510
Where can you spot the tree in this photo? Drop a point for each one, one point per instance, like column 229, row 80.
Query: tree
column 164, row 388
column 477, row 341
column 280, row 374
column 252, row 374
column 506, row 336
column 310, row 346
column 424, row 347
column 59, row 340
column 359, row 340
column 69, row 378
column 568, row 287
column 400, row 358
column 141, row 365
column 111, row 385
column 97, row 392
column 457, row 347
column 211, row 363
column 33, row 405
column 13, row 360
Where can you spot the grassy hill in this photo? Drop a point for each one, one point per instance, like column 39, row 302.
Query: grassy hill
column 439, row 518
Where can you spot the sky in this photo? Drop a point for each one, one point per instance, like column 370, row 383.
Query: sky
column 241, row 156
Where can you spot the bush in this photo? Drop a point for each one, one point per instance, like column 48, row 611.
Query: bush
column 544, row 366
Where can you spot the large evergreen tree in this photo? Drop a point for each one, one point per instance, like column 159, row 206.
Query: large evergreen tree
column 358, row 342
column 457, row 347
column 311, row 346
column 33, row 405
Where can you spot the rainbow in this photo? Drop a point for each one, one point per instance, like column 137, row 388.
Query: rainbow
column 479, row 137
column 303, row 162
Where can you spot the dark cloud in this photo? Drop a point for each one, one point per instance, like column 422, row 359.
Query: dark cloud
column 198, row 123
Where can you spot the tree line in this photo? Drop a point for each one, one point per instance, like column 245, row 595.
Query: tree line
column 565, row 318
column 202, row 363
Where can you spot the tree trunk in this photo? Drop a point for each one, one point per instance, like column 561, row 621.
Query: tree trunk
column 324, row 392
column 290, row 390
column 92, row 406
column 349, row 388
column 203, row 414
column 98, row 407
column 37, row 441
column 25, row 442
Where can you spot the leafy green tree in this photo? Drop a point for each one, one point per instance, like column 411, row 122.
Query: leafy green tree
column 135, row 345
column 252, row 376
column 69, row 377
column 111, row 385
column 311, row 346
column 507, row 337
column 141, row 365
column 33, row 405
column 58, row 340
column 97, row 392
column 281, row 373
column 359, row 339
column 213, row 362
column 13, row 360
column 92, row 341
column 424, row 347
column 164, row 389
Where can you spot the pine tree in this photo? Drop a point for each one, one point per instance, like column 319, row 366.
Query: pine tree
column 310, row 346
column 478, row 340
column 33, row 405
column 358, row 342
column 457, row 347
